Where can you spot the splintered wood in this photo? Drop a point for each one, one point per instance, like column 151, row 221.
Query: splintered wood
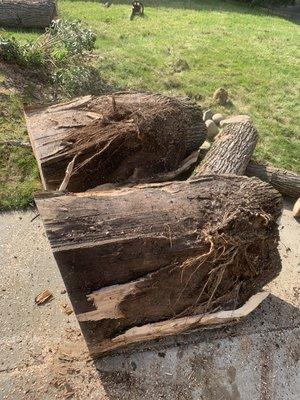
column 146, row 260
column 138, row 255
column 115, row 138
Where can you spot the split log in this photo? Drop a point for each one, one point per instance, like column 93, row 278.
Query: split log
column 114, row 138
column 151, row 253
column 27, row 13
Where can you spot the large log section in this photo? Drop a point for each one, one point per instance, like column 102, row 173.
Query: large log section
column 113, row 137
column 27, row 13
column 150, row 253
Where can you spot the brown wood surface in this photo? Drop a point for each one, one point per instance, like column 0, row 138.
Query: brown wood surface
column 137, row 255
column 158, row 133
column 27, row 13
column 286, row 182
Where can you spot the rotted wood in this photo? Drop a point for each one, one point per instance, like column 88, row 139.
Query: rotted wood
column 155, row 252
column 115, row 138
column 27, row 13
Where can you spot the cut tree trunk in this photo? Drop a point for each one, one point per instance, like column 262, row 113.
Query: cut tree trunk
column 286, row 182
column 231, row 151
column 27, row 13
column 139, row 255
column 115, row 138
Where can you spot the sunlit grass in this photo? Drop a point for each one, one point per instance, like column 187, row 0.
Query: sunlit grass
column 253, row 55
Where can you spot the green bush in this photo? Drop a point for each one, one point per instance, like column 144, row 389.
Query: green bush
column 58, row 46
column 78, row 80
column 75, row 37
column 26, row 55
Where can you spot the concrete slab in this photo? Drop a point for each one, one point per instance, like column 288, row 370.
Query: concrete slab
column 43, row 355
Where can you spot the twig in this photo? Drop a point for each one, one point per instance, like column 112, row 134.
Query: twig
column 36, row 216
column 16, row 143
column 68, row 174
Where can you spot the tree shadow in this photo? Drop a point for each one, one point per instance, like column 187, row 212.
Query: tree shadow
column 226, row 6
column 209, row 363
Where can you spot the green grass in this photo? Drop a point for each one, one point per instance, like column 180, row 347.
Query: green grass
column 254, row 56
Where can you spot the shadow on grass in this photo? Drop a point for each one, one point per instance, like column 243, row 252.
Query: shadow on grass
column 225, row 6
column 182, row 367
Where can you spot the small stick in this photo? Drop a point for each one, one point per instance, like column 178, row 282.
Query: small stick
column 68, row 174
column 16, row 143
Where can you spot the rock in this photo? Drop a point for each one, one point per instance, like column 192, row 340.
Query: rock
column 208, row 114
column 217, row 118
column 235, row 119
column 181, row 65
column 212, row 129
column 220, row 96
column 296, row 209
column 205, row 146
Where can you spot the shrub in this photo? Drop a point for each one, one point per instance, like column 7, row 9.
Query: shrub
column 27, row 55
column 75, row 37
column 61, row 42
column 78, row 80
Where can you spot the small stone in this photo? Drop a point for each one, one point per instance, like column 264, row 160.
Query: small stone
column 235, row 119
column 181, row 65
column 296, row 209
column 217, row 118
column 220, row 96
column 206, row 145
column 212, row 129
column 208, row 114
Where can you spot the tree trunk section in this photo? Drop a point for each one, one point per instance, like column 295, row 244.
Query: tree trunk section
column 286, row 182
column 156, row 252
column 115, row 138
column 231, row 151
column 27, row 13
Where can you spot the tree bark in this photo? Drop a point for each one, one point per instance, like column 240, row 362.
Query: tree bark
column 286, row 182
column 139, row 255
column 231, row 151
column 27, row 13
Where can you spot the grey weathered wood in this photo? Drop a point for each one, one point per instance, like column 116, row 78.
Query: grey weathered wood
column 27, row 13
column 231, row 151
column 158, row 133
column 286, row 182
column 137, row 255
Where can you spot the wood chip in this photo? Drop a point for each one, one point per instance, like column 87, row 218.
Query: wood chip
column 67, row 309
column 43, row 297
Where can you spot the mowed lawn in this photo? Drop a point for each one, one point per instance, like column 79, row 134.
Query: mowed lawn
column 253, row 55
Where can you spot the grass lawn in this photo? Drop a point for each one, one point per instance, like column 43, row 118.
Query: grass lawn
column 253, row 55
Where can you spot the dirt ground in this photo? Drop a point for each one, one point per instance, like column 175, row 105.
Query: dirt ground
column 43, row 355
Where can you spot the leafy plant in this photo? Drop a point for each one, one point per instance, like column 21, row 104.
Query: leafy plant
column 75, row 37
column 56, row 47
